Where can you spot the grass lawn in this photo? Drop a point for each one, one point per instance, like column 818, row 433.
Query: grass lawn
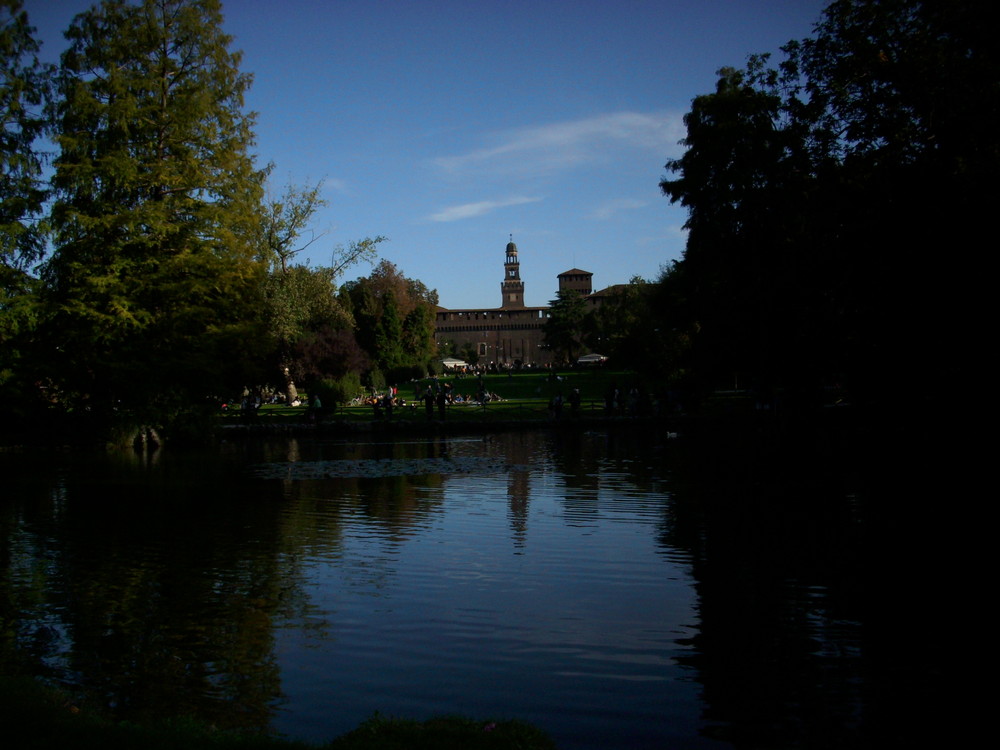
column 524, row 396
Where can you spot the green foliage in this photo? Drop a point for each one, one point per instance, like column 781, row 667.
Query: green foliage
column 394, row 317
column 443, row 733
column 24, row 88
column 374, row 380
column 152, row 291
column 565, row 328
column 389, row 335
column 284, row 220
column 621, row 328
column 469, row 353
column 334, row 391
column 300, row 300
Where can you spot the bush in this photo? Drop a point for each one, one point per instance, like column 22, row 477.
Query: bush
column 375, row 380
column 334, row 391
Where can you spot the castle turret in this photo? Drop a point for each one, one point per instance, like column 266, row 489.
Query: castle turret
column 512, row 288
column 576, row 280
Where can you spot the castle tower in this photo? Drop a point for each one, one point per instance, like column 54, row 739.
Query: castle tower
column 512, row 288
column 577, row 280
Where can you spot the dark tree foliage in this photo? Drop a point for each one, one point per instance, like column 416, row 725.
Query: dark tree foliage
column 24, row 88
column 394, row 317
column 627, row 328
column 567, row 325
column 328, row 353
column 823, row 198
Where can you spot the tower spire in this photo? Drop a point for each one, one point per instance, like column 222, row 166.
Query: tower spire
column 512, row 288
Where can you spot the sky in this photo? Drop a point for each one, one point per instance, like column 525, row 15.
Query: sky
column 451, row 126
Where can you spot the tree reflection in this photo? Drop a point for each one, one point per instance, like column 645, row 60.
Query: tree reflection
column 162, row 587
column 161, row 594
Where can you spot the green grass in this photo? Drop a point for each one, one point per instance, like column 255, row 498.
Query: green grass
column 442, row 733
column 525, row 397
column 35, row 717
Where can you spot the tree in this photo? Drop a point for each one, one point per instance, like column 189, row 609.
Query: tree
column 24, row 87
column 735, row 178
column 812, row 187
column 395, row 320
column 285, row 219
column 901, row 105
column 152, row 289
column 300, row 300
column 620, row 326
column 329, row 353
column 564, row 330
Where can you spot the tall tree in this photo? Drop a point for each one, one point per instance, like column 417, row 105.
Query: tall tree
column 300, row 300
column 285, row 219
column 812, row 189
column 153, row 278
column 622, row 326
column 734, row 178
column 24, row 86
column 902, row 97
column 394, row 315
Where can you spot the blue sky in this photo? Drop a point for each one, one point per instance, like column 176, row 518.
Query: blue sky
column 447, row 126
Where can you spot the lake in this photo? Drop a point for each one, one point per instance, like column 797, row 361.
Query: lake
column 618, row 588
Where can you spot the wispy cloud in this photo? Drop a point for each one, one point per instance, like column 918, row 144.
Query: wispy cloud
column 567, row 144
column 336, row 184
column 610, row 208
column 469, row 210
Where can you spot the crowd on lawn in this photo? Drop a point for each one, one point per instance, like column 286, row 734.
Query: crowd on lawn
column 436, row 394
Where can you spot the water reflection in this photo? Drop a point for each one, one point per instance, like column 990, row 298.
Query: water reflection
column 615, row 589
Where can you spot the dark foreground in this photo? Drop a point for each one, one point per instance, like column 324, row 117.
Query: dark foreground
column 43, row 718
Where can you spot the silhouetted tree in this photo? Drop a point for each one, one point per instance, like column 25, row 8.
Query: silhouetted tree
column 813, row 188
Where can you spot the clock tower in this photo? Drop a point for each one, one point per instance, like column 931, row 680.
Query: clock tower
column 512, row 288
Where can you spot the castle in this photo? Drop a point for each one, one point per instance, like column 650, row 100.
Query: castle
column 510, row 335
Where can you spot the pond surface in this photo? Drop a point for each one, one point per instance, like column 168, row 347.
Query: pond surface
column 617, row 590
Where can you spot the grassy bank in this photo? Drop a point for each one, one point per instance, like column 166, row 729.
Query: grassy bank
column 35, row 717
column 522, row 397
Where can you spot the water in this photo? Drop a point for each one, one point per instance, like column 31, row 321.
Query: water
column 617, row 590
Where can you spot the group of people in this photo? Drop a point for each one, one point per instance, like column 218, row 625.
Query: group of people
column 442, row 395
column 436, row 396
column 636, row 402
column 557, row 402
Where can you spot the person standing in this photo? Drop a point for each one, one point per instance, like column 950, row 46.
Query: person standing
column 429, row 402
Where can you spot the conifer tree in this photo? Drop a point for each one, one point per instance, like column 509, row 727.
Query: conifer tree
column 23, row 89
column 24, row 86
column 153, row 280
